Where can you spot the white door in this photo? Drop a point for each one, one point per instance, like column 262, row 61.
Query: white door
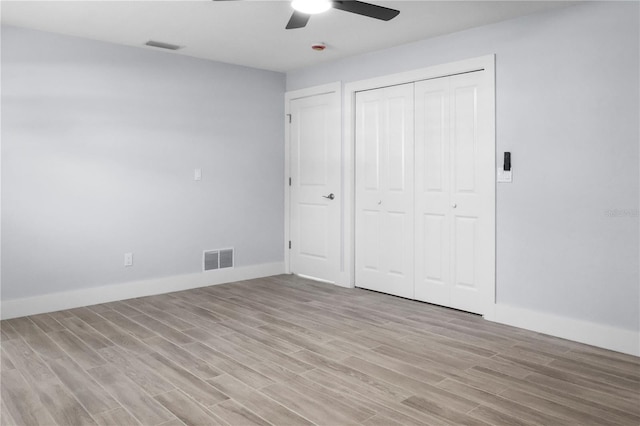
column 455, row 192
column 384, row 190
column 433, row 202
column 315, row 186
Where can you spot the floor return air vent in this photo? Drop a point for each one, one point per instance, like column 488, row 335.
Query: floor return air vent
column 217, row 259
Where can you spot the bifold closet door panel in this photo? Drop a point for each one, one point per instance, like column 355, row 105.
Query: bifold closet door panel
column 455, row 192
column 432, row 192
column 472, row 150
column 384, row 222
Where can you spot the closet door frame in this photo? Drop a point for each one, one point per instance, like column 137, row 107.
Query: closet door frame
column 483, row 63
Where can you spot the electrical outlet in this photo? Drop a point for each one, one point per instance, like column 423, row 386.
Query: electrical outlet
column 128, row 259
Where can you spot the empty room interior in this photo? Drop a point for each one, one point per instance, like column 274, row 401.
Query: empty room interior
column 320, row 213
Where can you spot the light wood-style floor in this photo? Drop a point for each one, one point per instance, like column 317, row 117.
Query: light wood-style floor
column 288, row 351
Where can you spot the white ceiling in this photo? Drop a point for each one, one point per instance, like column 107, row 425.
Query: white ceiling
column 252, row 33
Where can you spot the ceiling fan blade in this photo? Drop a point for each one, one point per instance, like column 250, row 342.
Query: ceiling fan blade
column 366, row 9
column 298, row 20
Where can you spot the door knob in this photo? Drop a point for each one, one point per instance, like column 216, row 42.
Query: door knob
column 454, row 205
column 330, row 196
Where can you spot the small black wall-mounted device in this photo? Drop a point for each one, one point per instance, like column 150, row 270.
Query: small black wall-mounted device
column 507, row 162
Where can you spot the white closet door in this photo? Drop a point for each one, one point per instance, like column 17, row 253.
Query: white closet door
column 433, row 200
column 315, row 187
column 384, row 190
column 455, row 253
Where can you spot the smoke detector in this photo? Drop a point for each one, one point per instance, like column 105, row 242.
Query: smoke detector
column 319, row 47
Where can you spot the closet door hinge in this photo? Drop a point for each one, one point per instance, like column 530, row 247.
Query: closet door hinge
column 289, row 181
column 289, row 245
column 289, row 117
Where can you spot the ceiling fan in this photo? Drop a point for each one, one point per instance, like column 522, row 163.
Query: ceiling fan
column 303, row 9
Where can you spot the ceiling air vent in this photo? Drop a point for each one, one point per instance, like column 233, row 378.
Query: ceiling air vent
column 217, row 259
column 162, row 45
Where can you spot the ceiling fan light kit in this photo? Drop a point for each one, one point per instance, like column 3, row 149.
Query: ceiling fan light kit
column 311, row 7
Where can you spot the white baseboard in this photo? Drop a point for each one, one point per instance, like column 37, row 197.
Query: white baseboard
column 607, row 337
column 603, row 336
column 91, row 296
column 320, row 280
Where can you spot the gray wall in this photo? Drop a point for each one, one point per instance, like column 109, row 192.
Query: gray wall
column 568, row 110
column 99, row 143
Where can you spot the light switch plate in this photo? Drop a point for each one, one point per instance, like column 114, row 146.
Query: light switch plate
column 197, row 174
column 128, row 259
column 505, row 176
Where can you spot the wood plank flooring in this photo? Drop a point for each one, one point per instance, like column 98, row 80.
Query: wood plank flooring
column 289, row 351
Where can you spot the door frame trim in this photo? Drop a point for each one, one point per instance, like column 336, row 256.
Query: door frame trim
column 336, row 88
column 486, row 63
